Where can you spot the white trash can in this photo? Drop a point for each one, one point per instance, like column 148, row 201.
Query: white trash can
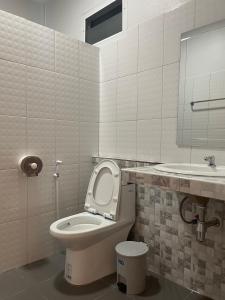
column 131, row 267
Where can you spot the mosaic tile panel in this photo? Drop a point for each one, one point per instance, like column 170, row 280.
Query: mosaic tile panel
column 210, row 187
column 174, row 252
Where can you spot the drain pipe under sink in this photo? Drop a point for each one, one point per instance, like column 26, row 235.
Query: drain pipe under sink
column 56, row 175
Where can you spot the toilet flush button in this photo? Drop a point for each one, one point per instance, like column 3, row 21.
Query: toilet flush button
column 33, row 166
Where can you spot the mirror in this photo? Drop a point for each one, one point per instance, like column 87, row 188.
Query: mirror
column 201, row 105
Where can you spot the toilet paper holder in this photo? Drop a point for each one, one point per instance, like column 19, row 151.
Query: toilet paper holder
column 30, row 165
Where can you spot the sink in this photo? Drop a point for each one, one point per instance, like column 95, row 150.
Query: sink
column 192, row 169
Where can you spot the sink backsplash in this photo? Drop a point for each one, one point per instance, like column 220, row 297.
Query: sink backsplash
column 174, row 252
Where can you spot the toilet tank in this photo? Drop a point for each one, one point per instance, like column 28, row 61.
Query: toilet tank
column 127, row 203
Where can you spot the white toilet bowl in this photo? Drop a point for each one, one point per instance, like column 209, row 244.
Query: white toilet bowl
column 90, row 237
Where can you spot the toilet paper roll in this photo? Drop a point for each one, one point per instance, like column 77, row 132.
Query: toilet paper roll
column 31, row 165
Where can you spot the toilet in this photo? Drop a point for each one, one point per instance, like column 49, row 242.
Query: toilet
column 90, row 237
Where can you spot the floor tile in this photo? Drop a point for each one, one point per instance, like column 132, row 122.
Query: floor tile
column 13, row 282
column 58, row 289
column 174, row 291
column 195, row 296
column 110, row 279
column 43, row 269
column 28, row 294
column 44, row 280
column 115, row 294
column 58, row 259
column 161, row 289
column 154, row 289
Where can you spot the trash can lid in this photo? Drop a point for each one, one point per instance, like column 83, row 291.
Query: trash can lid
column 131, row 249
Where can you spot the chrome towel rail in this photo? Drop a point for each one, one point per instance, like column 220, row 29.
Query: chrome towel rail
column 209, row 100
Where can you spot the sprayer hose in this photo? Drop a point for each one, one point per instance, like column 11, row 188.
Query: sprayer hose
column 181, row 211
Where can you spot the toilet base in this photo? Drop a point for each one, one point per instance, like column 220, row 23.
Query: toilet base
column 95, row 262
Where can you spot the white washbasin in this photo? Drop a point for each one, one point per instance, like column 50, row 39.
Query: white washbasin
column 192, row 169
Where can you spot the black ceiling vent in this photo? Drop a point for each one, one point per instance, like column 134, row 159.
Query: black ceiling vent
column 104, row 23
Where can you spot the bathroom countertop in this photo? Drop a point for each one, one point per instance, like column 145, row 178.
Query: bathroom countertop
column 211, row 187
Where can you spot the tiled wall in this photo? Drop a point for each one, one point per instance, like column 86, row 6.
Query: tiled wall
column 139, row 86
column 174, row 252
column 49, row 94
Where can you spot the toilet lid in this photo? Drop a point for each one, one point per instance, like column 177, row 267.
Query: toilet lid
column 104, row 189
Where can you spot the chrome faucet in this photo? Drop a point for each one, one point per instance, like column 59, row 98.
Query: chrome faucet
column 211, row 159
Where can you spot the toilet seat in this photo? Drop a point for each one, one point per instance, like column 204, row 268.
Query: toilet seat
column 82, row 224
column 104, row 190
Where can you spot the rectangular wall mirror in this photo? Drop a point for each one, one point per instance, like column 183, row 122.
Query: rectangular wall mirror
column 201, row 106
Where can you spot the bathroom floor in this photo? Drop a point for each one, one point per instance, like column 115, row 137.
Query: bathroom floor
column 44, row 280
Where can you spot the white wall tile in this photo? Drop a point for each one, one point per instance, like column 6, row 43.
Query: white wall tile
column 108, row 62
column 147, row 10
column 127, row 98
column 89, row 101
column 170, row 90
column 107, row 139
column 41, row 192
column 67, row 97
column 149, row 140
column 150, row 94
column 40, row 93
column 84, row 176
column 150, row 44
column 39, row 115
column 13, row 205
column 69, row 186
column 66, row 212
column 126, row 140
column 41, row 139
column 128, row 53
column 67, row 141
column 12, row 88
column 12, row 140
column 40, row 46
column 40, row 243
column 13, row 45
column 170, row 152
column 13, row 245
column 88, row 140
column 176, row 22
column 209, row 11
column 89, row 62
column 66, row 55
column 108, row 94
